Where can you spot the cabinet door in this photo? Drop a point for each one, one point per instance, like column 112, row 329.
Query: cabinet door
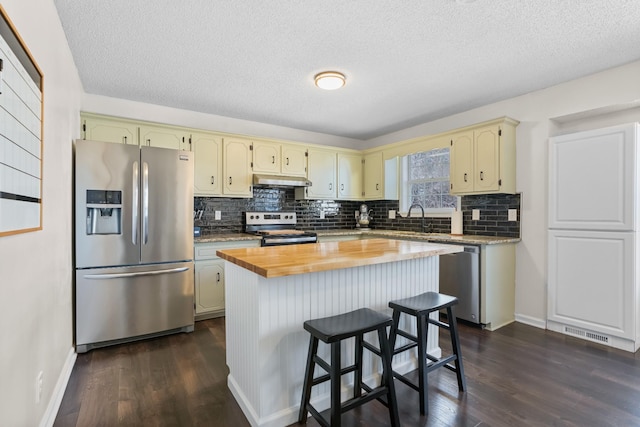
column 294, row 160
column 266, row 157
column 592, row 280
column 349, row 176
column 236, row 159
column 487, row 159
column 593, row 179
column 207, row 153
column 106, row 130
column 164, row 137
column 209, row 286
column 373, row 176
column 322, row 174
column 461, row 163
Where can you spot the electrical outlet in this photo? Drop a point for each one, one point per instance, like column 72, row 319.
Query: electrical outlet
column 392, row 214
column 218, row 215
column 513, row 215
column 39, row 379
column 475, row 214
column 321, row 213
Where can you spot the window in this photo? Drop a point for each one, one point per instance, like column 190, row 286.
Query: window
column 425, row 177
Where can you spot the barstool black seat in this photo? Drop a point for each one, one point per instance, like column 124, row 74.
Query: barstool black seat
column 332, row 330
column 420, row 306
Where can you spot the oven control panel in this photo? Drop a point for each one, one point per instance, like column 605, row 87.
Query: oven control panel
column 270, row 218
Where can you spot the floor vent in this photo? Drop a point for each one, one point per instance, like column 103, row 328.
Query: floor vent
column 603, row 339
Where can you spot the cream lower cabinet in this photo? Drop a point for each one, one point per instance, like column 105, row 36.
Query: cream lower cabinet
column 209, row 277
column 483, row 159
column 109, row 130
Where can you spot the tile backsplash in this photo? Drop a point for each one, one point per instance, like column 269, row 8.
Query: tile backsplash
column 340, row 214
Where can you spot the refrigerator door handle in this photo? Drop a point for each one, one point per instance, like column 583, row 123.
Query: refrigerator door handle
column 145, row 203
column 137, row 274
column 135, row 198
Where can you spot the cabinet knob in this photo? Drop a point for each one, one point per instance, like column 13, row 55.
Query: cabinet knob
column 273, row 160
column 330, row 186
column 481, row 176
column 341, row 187
column 287, row 161
column 377, row 187
column 125, row 139
column 213, row 180
column 465, row 177
column 218, row 276
column 230, row 181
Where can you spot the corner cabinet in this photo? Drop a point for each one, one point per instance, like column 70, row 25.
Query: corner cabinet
column 322, row 174
column 209, row 277
column 237, row 174
column 373, row 176
column 483, row 159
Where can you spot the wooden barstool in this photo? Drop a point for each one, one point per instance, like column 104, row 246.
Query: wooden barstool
column 332, row 330
column 420, row 307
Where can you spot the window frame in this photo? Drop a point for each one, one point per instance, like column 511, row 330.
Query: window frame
column 405, row 196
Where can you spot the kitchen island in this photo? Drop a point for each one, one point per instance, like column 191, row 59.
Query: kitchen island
column 271, row 291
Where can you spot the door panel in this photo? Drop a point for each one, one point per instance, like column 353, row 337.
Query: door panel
column 167, row 217
column 106, row 166
column 592, row 179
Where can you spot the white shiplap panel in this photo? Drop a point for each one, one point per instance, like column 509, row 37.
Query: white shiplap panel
column 267, row 374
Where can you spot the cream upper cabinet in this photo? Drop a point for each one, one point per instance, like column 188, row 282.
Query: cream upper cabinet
column 109, row 130
column 236, row 160
column 207, row 154
column 373, row 176
column 266, row 157
column 279, row 159
column 483, row 159
column 349, row 176
column 322, row 174
column 294, row 160
column 164, row 137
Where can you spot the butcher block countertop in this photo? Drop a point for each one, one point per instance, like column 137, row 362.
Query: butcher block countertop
column 287, row 260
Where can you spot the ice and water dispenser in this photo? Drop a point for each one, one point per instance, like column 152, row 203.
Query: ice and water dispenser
column 104, row 212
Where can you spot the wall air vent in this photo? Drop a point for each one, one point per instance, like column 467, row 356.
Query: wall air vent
column 591, row 336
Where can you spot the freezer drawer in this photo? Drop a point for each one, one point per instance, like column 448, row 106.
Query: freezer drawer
column 127, row 302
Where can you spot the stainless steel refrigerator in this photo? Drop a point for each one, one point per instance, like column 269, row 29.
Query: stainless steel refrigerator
column 133, row 243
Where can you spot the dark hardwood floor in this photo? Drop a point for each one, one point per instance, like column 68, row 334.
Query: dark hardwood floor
column 516, row 376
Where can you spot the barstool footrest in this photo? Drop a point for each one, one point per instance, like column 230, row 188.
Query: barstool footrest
column 327, row 377
column 405, row 347
column 405, row 380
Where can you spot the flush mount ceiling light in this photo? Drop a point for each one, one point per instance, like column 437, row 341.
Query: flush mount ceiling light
column 330, row 80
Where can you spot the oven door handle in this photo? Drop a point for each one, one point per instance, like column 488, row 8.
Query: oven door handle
column 266, row 241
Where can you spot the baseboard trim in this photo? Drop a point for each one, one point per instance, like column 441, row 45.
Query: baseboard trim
column 49, row 416
column 531, row 321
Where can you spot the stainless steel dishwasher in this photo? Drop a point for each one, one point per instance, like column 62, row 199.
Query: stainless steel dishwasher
column 460, row 277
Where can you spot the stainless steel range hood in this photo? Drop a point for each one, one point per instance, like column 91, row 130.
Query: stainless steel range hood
column 281, row 181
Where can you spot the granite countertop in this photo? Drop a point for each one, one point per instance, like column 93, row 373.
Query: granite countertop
column 431, row 237
column 408, row 235
column 287, row 260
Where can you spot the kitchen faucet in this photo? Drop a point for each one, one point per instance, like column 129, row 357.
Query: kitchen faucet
column 421, row 209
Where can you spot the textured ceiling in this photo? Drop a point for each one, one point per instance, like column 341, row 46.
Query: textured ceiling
column 406, row 61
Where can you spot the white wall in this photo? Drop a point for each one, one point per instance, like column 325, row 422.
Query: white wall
column 36, row 331
column 601, row 99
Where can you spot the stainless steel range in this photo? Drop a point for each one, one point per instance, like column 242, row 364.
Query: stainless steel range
column 277, row 228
